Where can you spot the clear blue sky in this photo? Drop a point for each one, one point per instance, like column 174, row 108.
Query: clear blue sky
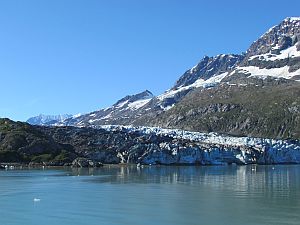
column 71, row 56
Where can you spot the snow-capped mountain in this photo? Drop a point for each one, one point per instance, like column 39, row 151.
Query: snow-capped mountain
column 207, row 73
column 47, row 119
column 141, row 107
column 276, row 39
column 207, row 68
column 275, row 54
column 122, row 110
column 225, row 84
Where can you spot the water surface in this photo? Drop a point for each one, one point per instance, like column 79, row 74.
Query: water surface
column 151, row 195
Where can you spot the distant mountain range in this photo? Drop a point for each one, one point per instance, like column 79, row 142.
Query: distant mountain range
column 48, row 119
column 253, row 94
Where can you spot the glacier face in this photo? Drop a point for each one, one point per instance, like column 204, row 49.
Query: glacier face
column 174, row 146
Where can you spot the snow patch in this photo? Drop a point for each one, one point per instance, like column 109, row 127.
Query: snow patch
column 76, row 116
column 198, row 83
column 291, row 52
column 138, row 104
column 282, row 72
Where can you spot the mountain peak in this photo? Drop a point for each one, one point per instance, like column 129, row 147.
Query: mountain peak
column 277, row 38
column 148, row 93
column 285, row 27
column 292, row 19
column 132, row 98
column 208, row 67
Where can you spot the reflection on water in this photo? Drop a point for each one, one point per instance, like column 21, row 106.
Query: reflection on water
column 237, row 178
column 152, row 195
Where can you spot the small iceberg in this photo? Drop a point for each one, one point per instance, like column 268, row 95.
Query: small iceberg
column 36, row 199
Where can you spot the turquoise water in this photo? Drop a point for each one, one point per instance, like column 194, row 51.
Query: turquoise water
column 152, row 195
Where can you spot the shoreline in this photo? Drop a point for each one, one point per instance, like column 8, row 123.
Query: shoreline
column 13, row 166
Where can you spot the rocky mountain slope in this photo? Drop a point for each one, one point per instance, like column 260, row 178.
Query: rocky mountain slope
column 254, row 94
column 133, row 109
column 21, row 142
column 259, row 108
column 259, row 97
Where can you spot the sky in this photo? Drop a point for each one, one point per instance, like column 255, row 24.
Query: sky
column 77, row 56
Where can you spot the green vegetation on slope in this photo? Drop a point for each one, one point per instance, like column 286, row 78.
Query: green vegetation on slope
column 21, row 142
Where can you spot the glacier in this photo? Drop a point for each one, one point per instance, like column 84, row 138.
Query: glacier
column 174, row 146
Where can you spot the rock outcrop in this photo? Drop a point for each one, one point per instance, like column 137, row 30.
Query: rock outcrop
column 84, row 163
